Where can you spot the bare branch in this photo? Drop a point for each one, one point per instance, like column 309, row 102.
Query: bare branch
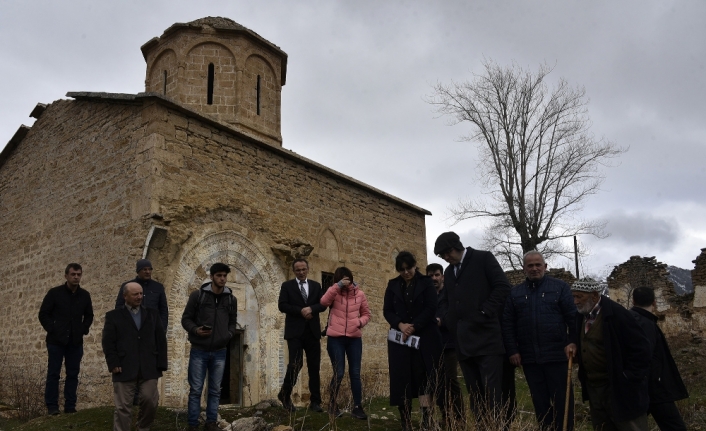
column 538, row 159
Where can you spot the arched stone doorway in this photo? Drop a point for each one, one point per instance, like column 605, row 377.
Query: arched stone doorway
column 255, row 278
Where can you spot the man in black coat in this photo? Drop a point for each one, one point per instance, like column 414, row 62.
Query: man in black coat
column 153, row 295
column 613, row 355
column 476, row 289
column 300, row 300
column 453, row 398
column 66, row 314
column 665, row 384
column 135, row 349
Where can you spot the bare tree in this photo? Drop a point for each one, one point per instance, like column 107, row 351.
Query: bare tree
column 538, row 159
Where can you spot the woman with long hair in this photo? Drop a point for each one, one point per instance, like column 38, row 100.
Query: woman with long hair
column 349, row 313
column 410, row 308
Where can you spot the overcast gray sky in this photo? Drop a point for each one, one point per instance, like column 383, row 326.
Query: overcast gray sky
column 358, row 72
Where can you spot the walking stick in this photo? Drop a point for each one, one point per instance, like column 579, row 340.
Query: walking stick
column 568, row 391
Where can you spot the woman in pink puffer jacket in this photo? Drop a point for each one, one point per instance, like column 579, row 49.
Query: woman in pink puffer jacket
column 349, row 313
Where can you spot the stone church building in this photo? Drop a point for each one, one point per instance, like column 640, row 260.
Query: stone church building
column 190, row 172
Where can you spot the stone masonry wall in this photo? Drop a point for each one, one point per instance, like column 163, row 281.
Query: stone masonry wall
column 93, row 175
column 211, row 180
column 238, row 59
column 69, row 193
column 698, row 279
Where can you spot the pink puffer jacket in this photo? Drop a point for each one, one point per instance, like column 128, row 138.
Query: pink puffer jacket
column 349, row 311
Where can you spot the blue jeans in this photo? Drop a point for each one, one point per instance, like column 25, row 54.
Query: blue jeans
column 201, row 361
column 338, row 348
column 57, row 355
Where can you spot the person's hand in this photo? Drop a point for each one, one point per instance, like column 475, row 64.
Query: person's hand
column 516, row 360
column 306, row 313
column 344, row 283
column 407, row 329
column 570, row 351
column 116, row 370
column 203, row 332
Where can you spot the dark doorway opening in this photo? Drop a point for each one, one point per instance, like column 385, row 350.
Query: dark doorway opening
column 232, row 383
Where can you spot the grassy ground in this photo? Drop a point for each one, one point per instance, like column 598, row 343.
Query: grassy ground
column 688, row 354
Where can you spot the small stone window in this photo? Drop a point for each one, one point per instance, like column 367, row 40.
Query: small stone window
column 258, row 95
column 164, row 83
column 326, row 280
column 209, row 90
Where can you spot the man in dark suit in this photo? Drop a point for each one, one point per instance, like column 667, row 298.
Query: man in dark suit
column 476, row 289
column 300, row 300
column 135, row 349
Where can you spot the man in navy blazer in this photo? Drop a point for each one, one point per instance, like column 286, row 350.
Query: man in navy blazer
column 476, row 289
column 300, row 300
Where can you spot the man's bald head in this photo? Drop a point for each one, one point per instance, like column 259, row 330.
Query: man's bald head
column 132, row 292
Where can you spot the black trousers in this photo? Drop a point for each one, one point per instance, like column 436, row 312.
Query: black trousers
column 453, row 398
column 311, row 345
column 547, row 385
column 484, row 378
column 667, row 416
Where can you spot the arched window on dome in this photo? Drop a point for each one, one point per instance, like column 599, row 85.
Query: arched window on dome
column 211, row 73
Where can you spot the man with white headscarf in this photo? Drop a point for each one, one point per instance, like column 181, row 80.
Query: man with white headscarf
column 614, row 360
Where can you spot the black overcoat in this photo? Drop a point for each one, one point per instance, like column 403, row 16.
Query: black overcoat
column 142, row 351
column 424, row 321
column 66, row 316
column 628, row 358
column 473, row 303
column 665, row 383
column 291, row 303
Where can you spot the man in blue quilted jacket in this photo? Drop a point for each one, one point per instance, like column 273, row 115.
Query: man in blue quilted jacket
column 539, row 333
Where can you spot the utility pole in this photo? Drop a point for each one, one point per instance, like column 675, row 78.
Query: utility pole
column 576, row 256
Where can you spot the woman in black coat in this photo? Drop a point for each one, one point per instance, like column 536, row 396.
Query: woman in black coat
column 410, row 307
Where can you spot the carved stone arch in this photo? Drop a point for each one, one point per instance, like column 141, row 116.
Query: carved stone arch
column 249, row 56
column 329, row 246
column 201, row 41
column 166, row 60
column 259, row 274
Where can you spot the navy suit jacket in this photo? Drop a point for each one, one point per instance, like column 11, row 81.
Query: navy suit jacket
column 291, row 303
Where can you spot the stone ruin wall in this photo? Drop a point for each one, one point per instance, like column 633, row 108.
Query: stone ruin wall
column 517, row 276
column 67, row 194
column 698, row 279
column 677, row 315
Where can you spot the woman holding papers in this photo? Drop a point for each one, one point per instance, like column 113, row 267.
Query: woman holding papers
column 349, row 313
column 410, row 308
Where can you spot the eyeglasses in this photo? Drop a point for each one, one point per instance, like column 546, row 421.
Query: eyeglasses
column 444, row 253
column 405, row 270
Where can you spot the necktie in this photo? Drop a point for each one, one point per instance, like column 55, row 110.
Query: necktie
column 303, row 291
column 457, row 268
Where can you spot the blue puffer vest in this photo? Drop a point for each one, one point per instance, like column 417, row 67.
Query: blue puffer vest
column 538, row 321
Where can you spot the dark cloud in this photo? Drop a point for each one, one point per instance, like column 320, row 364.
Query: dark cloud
column 642, row 230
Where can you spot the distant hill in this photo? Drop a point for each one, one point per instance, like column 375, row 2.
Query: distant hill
column 681, row 279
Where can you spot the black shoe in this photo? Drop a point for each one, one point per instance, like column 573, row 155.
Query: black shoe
column 315, row 407
column 53, row 412
column 358, row 413
column 71, row 410
column 287, row 404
